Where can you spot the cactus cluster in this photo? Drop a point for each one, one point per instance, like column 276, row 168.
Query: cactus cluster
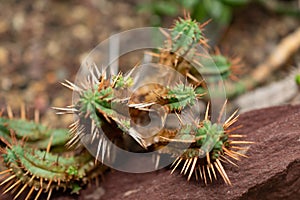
column 112, row 102
column 36, row 159
column 112, row 110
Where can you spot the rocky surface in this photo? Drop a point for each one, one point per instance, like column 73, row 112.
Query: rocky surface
column 272, row 170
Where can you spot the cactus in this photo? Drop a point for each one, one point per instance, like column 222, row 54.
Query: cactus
column 35, row 155
column 35, row 158
column 211, row 145
column 210, row 141
column 186, row 51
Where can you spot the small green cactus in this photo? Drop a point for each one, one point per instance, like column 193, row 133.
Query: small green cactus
column 36, row 158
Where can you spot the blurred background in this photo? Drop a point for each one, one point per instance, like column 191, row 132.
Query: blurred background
column 42, row 42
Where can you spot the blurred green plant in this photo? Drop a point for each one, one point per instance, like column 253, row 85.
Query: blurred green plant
column 297, row 79
column 219, row 10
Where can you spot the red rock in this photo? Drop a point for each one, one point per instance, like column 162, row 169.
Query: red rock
column 271, row 172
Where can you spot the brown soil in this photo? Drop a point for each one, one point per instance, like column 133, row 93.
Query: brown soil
column 42, row 43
